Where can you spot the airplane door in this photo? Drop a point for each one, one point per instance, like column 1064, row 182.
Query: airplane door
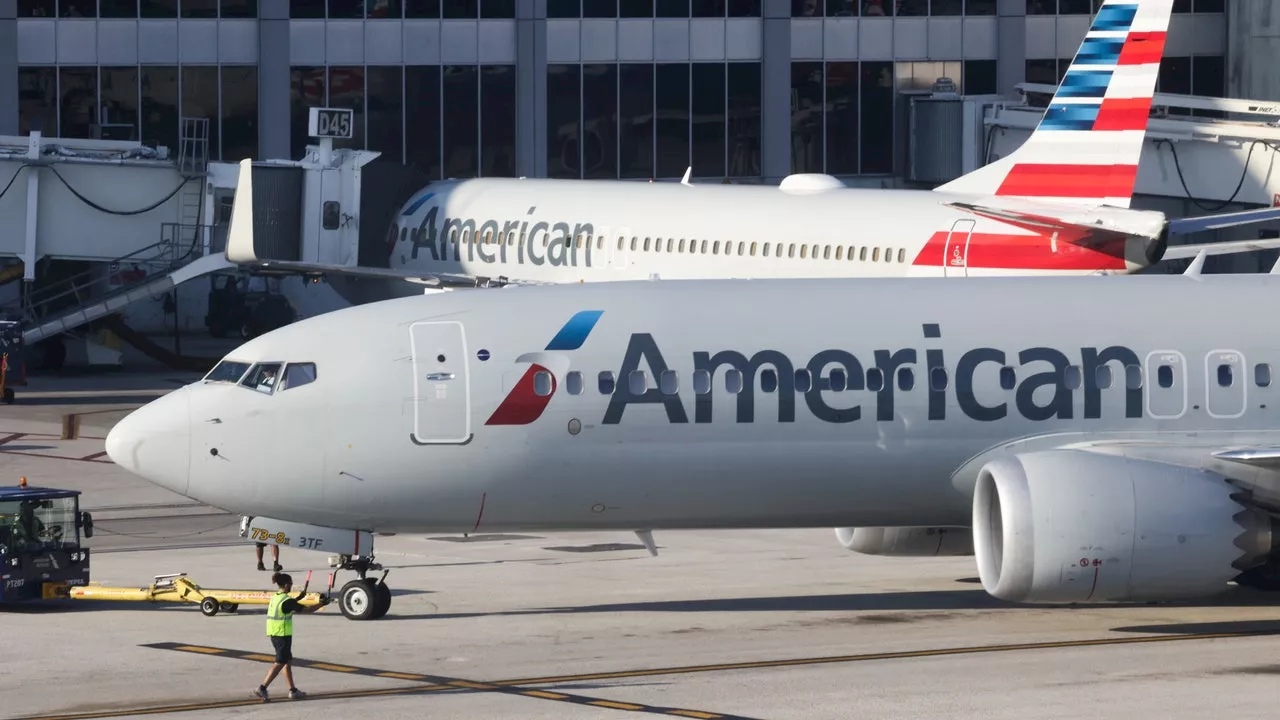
column 1225, row 385
column 441, row 386
column 1166, row 384
column 955, row 256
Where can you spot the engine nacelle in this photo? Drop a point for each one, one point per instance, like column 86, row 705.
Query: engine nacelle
column 907, row 541
column 1077, row 526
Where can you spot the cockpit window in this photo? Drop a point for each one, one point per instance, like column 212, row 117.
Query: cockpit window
column 227, row 371
column 263, row 377
column 296, row 374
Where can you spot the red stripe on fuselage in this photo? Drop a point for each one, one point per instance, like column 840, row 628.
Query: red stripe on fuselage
column 1123, row 114
column 1141, row 48
column 1020, row 252
column 1075, row 181
column 522, row 405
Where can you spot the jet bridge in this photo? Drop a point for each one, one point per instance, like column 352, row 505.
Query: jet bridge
column 1202, row 156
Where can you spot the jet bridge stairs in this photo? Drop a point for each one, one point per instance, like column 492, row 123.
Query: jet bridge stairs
column 71, row 303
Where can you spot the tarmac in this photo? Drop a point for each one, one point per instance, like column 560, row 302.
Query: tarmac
column 762, row 624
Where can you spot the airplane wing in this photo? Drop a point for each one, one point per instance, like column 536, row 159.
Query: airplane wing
column 241, row 250
column 1184, row 226
column 1182, row 252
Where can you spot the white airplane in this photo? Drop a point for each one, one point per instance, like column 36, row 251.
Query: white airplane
column 1058, row 205
column 1104, row 438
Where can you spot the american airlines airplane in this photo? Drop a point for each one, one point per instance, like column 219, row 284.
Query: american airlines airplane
column 1058, row 205
column 1102, row 438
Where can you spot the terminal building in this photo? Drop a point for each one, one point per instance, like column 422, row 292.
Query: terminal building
column 141, row 108
column 750, row 89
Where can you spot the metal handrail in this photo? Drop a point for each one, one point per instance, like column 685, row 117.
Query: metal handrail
column 72, row 286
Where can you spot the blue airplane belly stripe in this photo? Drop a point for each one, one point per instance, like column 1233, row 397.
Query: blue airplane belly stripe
column 417, row 204
column 1115, row 17
column 575, row 332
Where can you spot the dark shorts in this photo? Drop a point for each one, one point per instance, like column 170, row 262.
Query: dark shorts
column 284, row 648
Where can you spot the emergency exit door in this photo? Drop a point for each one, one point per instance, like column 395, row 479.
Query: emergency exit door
column 955, row 256
column 441, row 387
column 1225, row 384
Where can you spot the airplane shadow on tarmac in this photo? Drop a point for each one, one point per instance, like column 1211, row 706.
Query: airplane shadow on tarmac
column 930, row 600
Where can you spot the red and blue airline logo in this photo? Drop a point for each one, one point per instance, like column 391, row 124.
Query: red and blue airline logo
column 523, row 405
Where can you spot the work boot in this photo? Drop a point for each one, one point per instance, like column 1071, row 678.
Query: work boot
column 261, row 566
column 277, row 567
column 261, row 692
column 296, row 694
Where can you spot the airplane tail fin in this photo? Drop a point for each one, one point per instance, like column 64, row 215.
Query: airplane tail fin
column 1085, row 150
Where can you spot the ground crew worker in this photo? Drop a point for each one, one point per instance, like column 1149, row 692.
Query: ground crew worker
column 280, row 612
column 275, row 552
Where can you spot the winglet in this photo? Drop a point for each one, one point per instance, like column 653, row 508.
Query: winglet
column 1086, row 148
column 646, row 537
column 1198, row 264
column 240, row 233
column 688, row 173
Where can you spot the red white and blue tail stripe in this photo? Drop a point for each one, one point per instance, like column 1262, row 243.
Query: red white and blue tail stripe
column 1085, row 150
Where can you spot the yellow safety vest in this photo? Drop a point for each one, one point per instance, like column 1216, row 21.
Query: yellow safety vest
column 279, row 623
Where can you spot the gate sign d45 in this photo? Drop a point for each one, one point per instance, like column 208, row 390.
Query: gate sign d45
column 330, row 123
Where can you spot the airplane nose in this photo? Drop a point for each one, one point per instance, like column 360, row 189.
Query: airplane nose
column 154, row 442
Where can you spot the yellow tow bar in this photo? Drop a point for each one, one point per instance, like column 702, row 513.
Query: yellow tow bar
column 178, row 588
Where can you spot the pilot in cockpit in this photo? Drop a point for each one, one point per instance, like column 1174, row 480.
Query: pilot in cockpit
column 267, row 379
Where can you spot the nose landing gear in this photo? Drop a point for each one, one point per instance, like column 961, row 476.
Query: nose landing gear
column 363, row 599
column 360, row 599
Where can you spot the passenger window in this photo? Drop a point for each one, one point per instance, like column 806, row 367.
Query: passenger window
column 804, row 381
column 753, row 249
column 542, row 383
column 1224, row 376
column 1164, row 376
column 633, row 243
column 669, row 382
column 906, row 378
column 875, row 255
column 646, row 244
column 862, row 255
column 263, row 377
column 938, row 378
column 826, row 252
column 768, row 380
column 791, row 250
column 1102, row 376
column 839, row 252
column 733, row 381
column 573, row 382
column 902, row 255
column 681, row 245
column 704, row 247
column 1008, row 378
column 766, row 249
column 637, row 382
column 670, row 244
column 875, row 379
column 1072, row 377
column 296, row 374
column 606, row 383
column 838, row 380
column 1132, row 377
column 701, row 382
column 715, row 249
column 1262, row 374
column 742, row 248
column 804, row 252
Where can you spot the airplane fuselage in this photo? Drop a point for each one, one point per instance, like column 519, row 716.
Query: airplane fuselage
column 567, row 231
column 725, row 404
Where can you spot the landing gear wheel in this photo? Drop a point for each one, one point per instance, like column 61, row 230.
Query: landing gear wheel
column 382, row 594
column 358, row 600
column 209, row 607
column 228, row 607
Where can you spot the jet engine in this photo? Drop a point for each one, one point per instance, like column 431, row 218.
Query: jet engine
column 907, row 541
column 1077, row 526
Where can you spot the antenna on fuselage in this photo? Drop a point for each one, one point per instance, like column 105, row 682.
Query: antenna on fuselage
column 646, row 538
column 688, row 173
column 1198, row 264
